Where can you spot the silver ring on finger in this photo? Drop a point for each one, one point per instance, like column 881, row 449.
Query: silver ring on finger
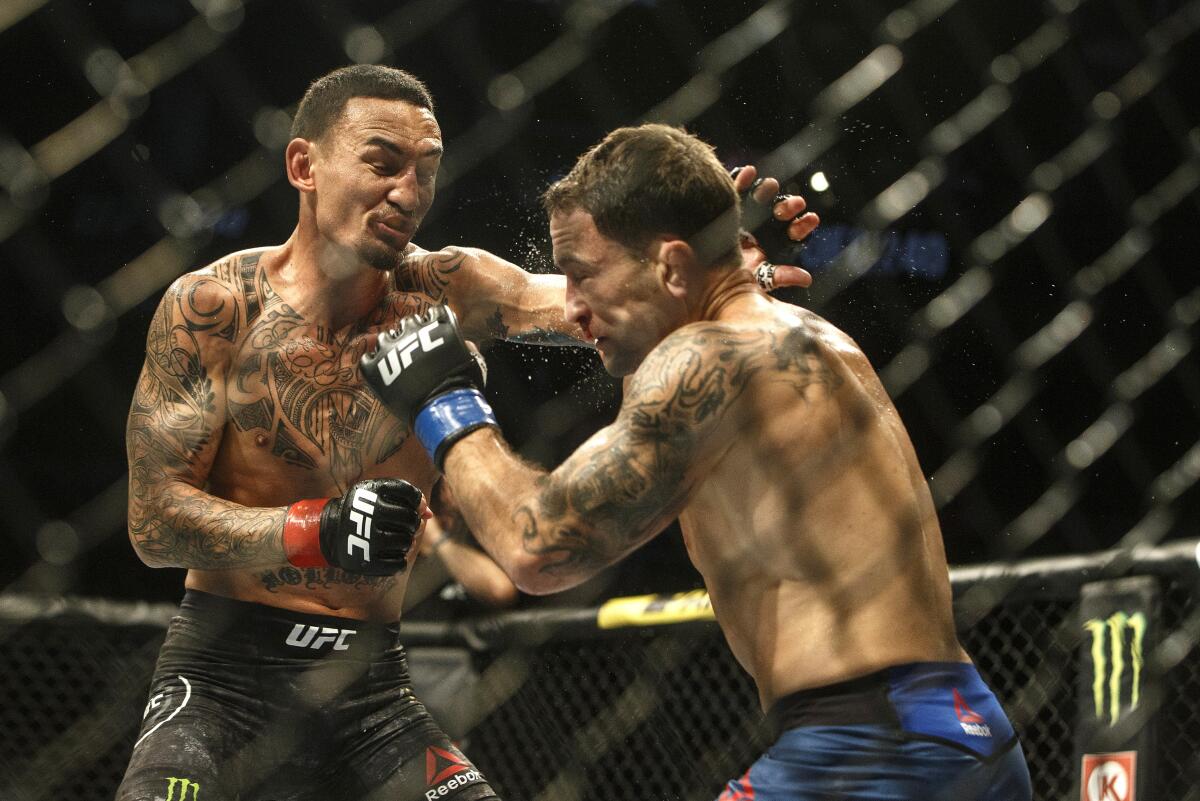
column 765, row 275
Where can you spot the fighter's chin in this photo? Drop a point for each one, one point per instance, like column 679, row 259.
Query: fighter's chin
column 617, row 365
column 379, row 256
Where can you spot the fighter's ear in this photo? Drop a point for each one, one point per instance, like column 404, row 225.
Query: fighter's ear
column 298, row 161
column 674, row 259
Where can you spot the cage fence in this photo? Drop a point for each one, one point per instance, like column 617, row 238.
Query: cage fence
column 559, row 707
column 1010, row 201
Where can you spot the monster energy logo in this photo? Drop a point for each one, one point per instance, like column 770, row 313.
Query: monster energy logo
column 184, row 786
column 1110, row 632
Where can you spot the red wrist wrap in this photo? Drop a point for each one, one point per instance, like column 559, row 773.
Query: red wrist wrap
column 302, row 533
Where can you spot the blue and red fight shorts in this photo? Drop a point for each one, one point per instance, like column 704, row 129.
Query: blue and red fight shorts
column 927, row 731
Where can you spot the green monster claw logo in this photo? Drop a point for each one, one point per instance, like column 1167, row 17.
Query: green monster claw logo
column 184, row 786
column 1113, row 629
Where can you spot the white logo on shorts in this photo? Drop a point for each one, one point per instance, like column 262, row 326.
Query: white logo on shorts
column 157, row 701
column 317, row 637
column 976, row 729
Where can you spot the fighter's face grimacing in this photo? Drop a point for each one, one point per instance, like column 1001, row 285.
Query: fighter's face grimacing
column 617, row 298
column 374, row 175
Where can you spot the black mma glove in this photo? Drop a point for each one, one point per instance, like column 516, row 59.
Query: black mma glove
column 425, row 373
column 366, row 531
column 760, row 221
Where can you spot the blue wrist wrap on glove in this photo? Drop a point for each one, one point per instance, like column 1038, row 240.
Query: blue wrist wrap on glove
column 448, row 417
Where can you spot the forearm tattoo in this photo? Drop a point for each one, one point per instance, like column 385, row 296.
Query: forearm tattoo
column 498, row 328
column 620, row 489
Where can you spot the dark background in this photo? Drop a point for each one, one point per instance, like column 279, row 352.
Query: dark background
column 1034, row 313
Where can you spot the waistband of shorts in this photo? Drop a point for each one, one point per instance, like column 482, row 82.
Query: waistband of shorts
column 854, row 702
column 287, row 633
column 946, row 702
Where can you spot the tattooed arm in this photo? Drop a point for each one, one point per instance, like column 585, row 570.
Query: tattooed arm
column 493, row 298
column 553, row 530
column 174, row 429
column 496, row 299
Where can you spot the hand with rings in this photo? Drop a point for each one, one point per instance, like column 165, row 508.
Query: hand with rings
column 784, row 208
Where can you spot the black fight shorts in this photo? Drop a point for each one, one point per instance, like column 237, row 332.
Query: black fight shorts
column 254, row 703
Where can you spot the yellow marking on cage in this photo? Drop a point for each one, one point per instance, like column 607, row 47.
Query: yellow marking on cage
column 1099, row 666
column 655, row 610
column 1108, row 660
column 1116, row 628
column 1137, row 623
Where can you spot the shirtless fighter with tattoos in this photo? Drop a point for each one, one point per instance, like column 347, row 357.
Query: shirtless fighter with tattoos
column 765, row 430
column 260, row 462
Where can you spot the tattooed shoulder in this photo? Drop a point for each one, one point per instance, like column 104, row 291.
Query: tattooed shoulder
column 802, row 359
column 697, row 371
column 700, row 370
column 197, row 312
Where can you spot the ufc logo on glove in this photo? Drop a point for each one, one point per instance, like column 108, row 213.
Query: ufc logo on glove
column 424, row 372
column 367, row 531
column 362, row 506
column 400, row 355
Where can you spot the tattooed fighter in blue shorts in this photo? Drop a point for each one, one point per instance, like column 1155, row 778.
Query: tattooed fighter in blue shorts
column 766, row 431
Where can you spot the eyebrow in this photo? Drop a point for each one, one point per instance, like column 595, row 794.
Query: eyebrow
column 571, row 261
column 387, row 144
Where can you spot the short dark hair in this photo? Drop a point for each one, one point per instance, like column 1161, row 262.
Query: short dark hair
column 327, row 96
column 644, row 181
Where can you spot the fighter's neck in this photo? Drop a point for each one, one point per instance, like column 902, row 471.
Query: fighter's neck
column 723, row 293
column 323, row 289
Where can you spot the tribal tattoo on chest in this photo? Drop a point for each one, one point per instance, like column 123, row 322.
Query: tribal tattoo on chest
column 297, row 384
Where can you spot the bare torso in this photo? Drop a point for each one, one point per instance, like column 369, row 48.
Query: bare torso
column 814, row 529
column 299, row 423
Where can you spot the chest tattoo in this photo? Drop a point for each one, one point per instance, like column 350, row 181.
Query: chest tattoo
column 298, row 383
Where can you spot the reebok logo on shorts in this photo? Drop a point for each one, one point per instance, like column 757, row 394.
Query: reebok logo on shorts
column 971, row 721
column 446, row 771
